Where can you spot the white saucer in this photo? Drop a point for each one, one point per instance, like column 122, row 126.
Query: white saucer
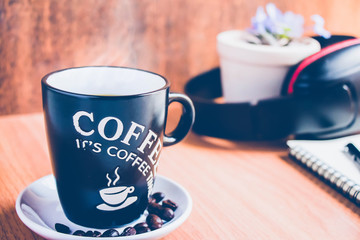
column 39, row 209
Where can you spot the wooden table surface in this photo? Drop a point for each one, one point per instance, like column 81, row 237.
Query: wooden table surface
column 240, row 190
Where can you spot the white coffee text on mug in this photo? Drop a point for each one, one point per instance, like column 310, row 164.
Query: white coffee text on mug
column 134, row 131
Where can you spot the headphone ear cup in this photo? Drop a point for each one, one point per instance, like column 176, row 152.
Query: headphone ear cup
column 324, row 114
column 315, row 67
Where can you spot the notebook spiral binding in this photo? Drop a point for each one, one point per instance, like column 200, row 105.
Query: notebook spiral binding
column 330, row 176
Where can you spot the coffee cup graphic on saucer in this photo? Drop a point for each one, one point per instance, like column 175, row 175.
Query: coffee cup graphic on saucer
column 116, row 198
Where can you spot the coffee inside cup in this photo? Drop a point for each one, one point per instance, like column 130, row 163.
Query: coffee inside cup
column 109, row 81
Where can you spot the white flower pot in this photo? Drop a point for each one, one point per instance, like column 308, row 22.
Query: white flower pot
column 251, row 72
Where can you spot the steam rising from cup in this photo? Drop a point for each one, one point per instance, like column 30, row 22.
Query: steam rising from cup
column 116, row 179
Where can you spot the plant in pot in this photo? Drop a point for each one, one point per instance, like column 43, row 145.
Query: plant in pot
column 254, row 61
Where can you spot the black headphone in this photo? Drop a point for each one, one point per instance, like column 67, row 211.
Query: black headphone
column 319, row 99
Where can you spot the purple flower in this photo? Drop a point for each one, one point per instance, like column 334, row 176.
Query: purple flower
column 319, row 26
column 276, row 28
column 258, row 22
column 295, row 24
column 274, row 22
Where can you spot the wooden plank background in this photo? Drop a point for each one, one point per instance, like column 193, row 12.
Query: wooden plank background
column 175, row 38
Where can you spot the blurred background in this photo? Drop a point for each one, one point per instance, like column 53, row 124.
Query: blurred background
column 175, row 38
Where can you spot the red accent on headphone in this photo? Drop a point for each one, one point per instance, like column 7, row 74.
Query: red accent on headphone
column 323, row 52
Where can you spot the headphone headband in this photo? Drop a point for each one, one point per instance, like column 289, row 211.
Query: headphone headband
column 269, row 119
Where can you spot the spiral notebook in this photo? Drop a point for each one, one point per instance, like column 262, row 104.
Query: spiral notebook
column 328, row 161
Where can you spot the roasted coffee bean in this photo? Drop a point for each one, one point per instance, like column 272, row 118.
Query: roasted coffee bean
column 169, row 204
column 154, row 208
column 142, row 224
column 92, row 234
column 158, row 196
column 62, row 228
column 128, row 231
column 97, row 234
column 166, row 214
column 154, row 221
column 110, row 233
column 142, row 228
column 89, row 234
column 79, row 233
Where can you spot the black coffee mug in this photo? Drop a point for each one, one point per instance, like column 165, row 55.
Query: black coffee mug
column 105, row 128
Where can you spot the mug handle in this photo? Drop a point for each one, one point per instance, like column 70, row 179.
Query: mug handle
column 186, row 120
